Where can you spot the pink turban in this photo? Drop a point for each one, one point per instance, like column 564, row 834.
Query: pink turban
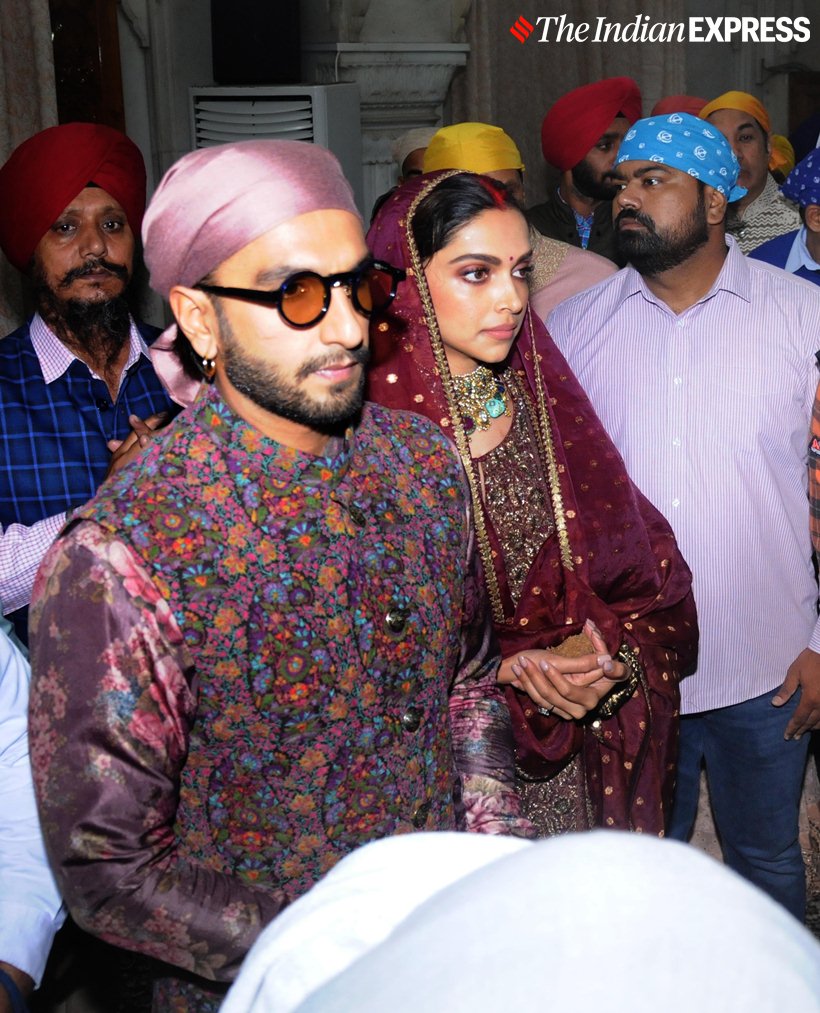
column 215, row 201
column 576, row 121
column 46, row 172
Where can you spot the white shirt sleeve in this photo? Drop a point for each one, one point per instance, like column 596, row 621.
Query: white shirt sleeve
column 31, row 910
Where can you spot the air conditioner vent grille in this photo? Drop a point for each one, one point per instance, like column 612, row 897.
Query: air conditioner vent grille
column 326, row 114
column 218, row 120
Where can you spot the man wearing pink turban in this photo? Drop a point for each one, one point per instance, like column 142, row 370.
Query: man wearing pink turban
column 580, row 136
column 76, row 380
column 268, row 644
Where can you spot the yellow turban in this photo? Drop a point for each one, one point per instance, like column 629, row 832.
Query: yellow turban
column 747, row 103
column 782, row 157
column 742, row 101
column 474, row 147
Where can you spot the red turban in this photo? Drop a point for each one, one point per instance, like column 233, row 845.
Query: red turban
column 46, row 172
column 678, row 104
column 576, row 121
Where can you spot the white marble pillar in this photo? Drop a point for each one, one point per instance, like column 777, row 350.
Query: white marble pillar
column 402, row 56
column 401, row 85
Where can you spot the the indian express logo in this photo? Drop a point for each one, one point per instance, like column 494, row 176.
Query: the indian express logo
column 559, row 28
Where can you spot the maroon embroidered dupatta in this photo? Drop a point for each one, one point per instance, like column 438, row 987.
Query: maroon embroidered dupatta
column 613, row 557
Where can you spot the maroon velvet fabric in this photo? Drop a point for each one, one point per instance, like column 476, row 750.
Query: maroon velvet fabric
column 627, row 573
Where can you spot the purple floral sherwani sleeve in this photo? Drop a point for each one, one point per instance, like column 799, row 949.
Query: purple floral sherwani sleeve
column 480, row 719
column 112, row 701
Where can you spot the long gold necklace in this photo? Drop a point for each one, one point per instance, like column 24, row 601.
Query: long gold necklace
column 480, row 397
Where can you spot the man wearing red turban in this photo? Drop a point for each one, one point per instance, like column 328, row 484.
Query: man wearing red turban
column 580, row 137
column 76, row 380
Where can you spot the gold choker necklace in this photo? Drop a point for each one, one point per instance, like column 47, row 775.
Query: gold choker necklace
column 480, row 397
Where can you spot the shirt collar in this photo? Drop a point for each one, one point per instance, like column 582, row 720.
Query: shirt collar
column 770, row 194
column 55, row 358
column 734, row 277
column 799, row 255
column 578, row 215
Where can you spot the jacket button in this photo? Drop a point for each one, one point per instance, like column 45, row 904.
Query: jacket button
column 420, row 815
column 396, row 619
column 411, row 719
column 357, row 515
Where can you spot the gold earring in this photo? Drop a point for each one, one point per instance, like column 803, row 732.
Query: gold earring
column 208, row 368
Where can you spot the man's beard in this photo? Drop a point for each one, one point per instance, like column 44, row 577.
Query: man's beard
column 589, row 185
column 99, row 326
column 269, row 389
column 651, row 253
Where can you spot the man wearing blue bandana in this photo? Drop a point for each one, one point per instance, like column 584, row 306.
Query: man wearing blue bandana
column 799, row 251
column 700, row 362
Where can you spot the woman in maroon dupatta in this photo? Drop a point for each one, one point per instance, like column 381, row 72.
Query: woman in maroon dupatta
column 591, row 598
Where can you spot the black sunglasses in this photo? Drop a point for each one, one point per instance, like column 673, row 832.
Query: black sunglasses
column 304, row 298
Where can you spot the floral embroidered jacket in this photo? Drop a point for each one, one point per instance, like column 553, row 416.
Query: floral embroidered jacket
column 248, row 661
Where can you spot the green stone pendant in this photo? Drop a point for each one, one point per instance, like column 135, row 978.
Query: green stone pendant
column 495, row 407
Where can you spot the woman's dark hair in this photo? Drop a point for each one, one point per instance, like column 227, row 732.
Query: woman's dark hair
column 454, row 203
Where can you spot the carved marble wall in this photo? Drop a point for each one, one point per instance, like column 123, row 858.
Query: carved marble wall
column 402, row 84
column 384, row 20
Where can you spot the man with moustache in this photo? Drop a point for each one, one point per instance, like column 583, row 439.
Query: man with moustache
column 701, row 365
column 580, row 136
column 77, row 388
column 268, row 643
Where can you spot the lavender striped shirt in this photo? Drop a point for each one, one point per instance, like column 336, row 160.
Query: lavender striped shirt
column 711, row 410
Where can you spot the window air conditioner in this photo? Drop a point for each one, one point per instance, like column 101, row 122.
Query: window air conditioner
column 326, row 114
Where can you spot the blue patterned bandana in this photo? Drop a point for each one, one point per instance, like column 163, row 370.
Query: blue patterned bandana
column 803, row 182
column 688, row 144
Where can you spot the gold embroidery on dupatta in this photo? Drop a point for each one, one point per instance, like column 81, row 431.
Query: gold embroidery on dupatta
column 547, row 257
column 544, row 427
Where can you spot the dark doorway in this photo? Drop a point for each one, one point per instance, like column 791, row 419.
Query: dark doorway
column 804, row 96
column 87, row 61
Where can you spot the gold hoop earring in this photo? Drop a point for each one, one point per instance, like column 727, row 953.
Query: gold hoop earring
column 207, row 367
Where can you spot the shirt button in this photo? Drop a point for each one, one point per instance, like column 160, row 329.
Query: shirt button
column 676, row 502
column 421, row 814
column 681, row 323
column 395, row 619
column 677, row 381
column 411, row 719
column 676, row 442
